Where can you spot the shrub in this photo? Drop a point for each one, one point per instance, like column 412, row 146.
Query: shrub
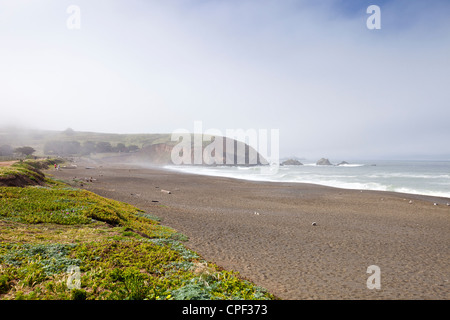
column 78, row 294
column 136, row 287
column 192, row 291
column 48, row 258
column 4, row 284
column 26, row 151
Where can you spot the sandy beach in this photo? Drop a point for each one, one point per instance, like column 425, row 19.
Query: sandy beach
column 265, row 231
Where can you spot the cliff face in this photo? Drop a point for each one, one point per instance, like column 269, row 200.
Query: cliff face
column 158, row 154
column 232, row 153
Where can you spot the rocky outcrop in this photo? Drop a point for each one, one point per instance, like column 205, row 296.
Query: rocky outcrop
column 233, row 153
column 291, row 162
column 157, row 154
column 323, row 162
column 342, row 163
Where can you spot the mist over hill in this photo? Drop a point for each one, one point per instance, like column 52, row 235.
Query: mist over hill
column 150, row 148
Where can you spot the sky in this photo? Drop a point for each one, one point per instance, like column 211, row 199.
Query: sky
column 311, row 69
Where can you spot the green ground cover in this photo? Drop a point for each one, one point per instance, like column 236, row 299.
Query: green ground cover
column 53, row 235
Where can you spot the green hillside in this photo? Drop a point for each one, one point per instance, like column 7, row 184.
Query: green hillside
column 149, row 148
column 39, row 138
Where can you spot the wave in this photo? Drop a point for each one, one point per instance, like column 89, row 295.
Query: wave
column 377, row 187
column 423, row 192
column 348, row 165
column 382, row 181
column 409, row 175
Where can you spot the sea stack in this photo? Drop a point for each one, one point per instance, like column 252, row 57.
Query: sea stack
column 291, row 162
column 323, row 162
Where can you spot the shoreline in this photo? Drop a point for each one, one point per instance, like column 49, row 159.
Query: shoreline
column 440, row 198
column 264, row 231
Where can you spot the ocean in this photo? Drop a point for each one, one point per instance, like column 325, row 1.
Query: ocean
column 417, row 177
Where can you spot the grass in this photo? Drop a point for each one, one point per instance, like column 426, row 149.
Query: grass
column 117, row 250
column 21, row 169
column 69, row 206
column 27, row 172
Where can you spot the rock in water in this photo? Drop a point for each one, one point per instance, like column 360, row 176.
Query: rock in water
column 342, row 163
column 323, row 162
column 291, row 162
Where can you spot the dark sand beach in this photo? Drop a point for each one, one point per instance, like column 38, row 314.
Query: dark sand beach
column 279, row 248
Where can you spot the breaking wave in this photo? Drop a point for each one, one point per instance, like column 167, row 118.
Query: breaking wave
column 424, row 179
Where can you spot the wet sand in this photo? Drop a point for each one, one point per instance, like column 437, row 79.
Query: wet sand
column 278, row 248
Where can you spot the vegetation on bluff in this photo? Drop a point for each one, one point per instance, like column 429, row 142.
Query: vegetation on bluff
column 117, row 250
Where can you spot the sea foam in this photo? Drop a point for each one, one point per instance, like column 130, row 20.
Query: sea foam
column 425, row 178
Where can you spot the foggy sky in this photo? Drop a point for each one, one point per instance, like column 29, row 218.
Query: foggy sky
column 311, row 69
